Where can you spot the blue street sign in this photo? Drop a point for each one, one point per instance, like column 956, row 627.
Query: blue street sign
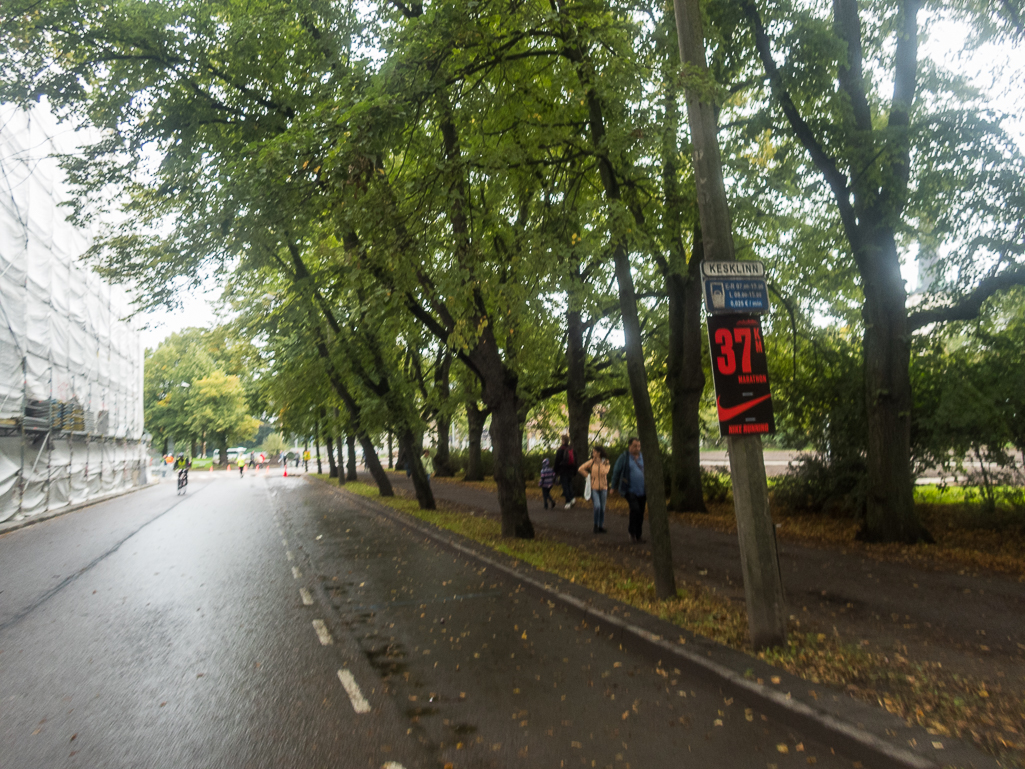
column 733, row 295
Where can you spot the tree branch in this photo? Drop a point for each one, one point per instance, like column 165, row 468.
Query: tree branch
column 823, row 161
column 969, row 307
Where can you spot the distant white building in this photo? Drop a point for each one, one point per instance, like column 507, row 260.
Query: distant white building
column 71, row 393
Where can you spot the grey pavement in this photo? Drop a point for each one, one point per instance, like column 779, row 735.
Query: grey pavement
column 251, row 623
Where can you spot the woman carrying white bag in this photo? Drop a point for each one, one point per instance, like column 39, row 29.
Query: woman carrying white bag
column 596, row 470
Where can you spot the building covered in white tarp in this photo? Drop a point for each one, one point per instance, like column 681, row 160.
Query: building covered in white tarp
column 71, row 367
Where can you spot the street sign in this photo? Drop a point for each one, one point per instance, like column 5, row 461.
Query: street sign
column 741, row 376
column 721, row 270
column 732, row 287
column 736, row 295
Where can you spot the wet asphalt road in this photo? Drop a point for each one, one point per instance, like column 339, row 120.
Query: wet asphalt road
column 216, row 629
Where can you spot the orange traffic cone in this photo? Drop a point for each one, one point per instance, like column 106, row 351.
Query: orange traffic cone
column 286, row 471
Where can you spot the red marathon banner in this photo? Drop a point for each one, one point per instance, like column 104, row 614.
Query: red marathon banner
column 741, row 375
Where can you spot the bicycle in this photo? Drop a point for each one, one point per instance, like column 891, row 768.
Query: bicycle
column 183, row 480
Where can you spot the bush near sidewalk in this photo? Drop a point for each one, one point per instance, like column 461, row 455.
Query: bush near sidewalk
column 945, row 704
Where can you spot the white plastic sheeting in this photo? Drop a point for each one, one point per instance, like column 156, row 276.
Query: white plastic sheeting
column 71, row 411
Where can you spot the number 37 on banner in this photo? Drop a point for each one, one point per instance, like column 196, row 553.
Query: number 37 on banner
column 742, row 396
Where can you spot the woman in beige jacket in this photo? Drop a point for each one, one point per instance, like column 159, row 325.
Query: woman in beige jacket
column 598, row 467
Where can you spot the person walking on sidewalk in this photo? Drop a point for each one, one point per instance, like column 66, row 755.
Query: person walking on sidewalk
column 547, row 481
column 597, row 467
column 628, row 480
column 566, row 469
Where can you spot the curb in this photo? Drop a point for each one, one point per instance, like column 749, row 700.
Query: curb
column 9, row 526
column 857, row 730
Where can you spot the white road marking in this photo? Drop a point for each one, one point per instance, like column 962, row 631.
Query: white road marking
column 288, row 555
column 305, row 595
column 322, row 632
column 359, row 702
column 296, row 573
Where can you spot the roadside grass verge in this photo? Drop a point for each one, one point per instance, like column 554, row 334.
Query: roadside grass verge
column 925, row 694
column 966, row 538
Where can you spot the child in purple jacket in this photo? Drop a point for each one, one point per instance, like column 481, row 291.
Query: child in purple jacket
column 547, row 481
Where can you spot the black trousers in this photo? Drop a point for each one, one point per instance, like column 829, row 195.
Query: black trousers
column 636, row 504
column 567, row 487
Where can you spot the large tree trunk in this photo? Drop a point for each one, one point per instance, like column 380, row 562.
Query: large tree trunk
column 222, row 446
column 443, row 420
column 654, row 482
column 508, row 450
column 412, row 449
column 686, row 380
column 890, row 508
column 332, row 467
column 350, row 468
column 316, row 445
column 475, row 419
column 577, row 405
column 379, row 474
column 499, row 395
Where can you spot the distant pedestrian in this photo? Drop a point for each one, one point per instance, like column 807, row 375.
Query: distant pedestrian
column 628, row 480
column 597, row 468
column 547, row 481
column 241, row 465
column 428, row 465
column 306, row 460
column 566, row 469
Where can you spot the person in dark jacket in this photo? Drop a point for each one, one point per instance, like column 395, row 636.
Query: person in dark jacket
column 566, row 469
column 628, row 480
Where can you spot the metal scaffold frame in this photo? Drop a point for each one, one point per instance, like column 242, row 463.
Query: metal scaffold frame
column 71, row 367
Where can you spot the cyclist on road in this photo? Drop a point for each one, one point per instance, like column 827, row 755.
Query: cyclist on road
column 182, row 465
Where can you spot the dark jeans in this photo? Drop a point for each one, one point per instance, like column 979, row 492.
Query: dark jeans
column 546, row 496
column 636, row 505
column 567, row 487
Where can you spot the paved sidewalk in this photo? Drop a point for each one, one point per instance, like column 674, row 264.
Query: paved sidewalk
column 968, row 622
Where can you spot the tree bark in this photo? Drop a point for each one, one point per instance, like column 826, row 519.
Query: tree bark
column 508, row 451
column 316, row 446
column 442, row 458
column 332, row 467
column 350, row 469
column 412, row 449
column 577, row 404
column 686, row 380
column 475, row 419
column 647, row 430
column 890, row 514
column 222, row 446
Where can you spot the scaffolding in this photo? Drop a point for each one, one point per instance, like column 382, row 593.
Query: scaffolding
column 71, row 367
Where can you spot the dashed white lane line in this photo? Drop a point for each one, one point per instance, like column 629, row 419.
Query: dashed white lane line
column 322, row 632
column 296, row 573
column 305, row 595
column 359, row 702
column 289, row 556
